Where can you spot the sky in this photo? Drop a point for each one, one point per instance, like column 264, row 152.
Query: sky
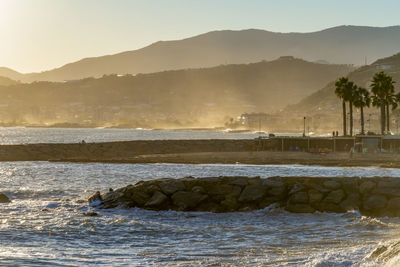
column 38, row 35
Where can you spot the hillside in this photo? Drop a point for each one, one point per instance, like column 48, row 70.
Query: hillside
column 339, row 45
column 4, row 81
column 324, row 102
column 11, row 74
column 196, row 96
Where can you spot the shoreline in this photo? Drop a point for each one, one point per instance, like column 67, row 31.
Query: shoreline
column 254, row 158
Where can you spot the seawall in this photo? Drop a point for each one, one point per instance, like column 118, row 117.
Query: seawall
column 118, row 150
column 379, row 196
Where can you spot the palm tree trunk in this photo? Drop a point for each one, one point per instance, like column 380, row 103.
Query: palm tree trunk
column 382, row 117
column 387, row 118
column 344, row 118
column 362, row 120
column 351, row 118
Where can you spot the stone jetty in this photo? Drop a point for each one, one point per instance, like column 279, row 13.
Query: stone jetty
column 379, row 196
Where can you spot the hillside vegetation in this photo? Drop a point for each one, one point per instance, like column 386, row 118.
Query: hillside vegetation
column 200, row 97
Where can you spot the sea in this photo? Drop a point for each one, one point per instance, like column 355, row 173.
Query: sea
column 49, row 221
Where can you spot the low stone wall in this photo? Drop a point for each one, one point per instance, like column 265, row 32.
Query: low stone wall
column 117, row 150
column 378, row 196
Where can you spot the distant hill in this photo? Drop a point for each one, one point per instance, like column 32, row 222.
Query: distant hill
column 4, row 81
column 325, row 98
column 12, row 74
column 195, row 95
column 339, row 45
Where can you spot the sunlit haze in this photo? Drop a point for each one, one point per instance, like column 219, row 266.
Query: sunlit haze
column 38, row 35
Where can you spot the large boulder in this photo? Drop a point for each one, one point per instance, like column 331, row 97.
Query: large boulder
column 252, row 193
column 157, row 200
column 187, row 200
column 393, row 206
column 375, row 202
column 366, row 187
column 171, row 186
column 315, row 196
column 331, row 184
column 335, row 196
column 352, row 202
column 4, row 198
column 388, row 188
column 299, row 198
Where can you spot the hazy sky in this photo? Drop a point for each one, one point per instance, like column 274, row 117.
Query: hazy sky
column 37, row 35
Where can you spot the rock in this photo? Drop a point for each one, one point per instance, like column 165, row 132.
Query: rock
column 335, row 196
column 4, row 198
column 275, row 188
column 90, row 214
column 299, row 197
column 277, row 191
column 388, row 188
column 273, row 183
column 366, row 187
column 252, row 193
column 314, row 196
column 230, row 204
column 299, row 208
column 187, row 200
column 224, row 189
column 198, row 189
column 140, row 197
column 95, row 198
column 242, row 182
column 296, row 188
column 156, row 200
column 318, row 187
column 254, row 181
column 113, row 199
column 171, row 186
column 352, row 202
column 394, row 204
column 375, row 202
column 330, row 184
column 350, row 185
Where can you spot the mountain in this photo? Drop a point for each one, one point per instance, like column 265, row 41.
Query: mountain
column 197, row 96
column 339, row 45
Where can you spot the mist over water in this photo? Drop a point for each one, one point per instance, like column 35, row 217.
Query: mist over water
column 48, row 222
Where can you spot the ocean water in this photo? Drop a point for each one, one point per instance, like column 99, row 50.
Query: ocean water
column 22, row 135
column 48, row 222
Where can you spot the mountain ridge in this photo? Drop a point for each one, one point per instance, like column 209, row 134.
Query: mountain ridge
column 338, row 45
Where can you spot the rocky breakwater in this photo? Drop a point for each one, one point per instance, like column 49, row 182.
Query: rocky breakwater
column 379, row 196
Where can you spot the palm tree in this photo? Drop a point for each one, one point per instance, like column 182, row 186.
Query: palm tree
column 382, row 87
column 350, row 94
column 340, row 91
column 361, row 100
column 391, row 100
